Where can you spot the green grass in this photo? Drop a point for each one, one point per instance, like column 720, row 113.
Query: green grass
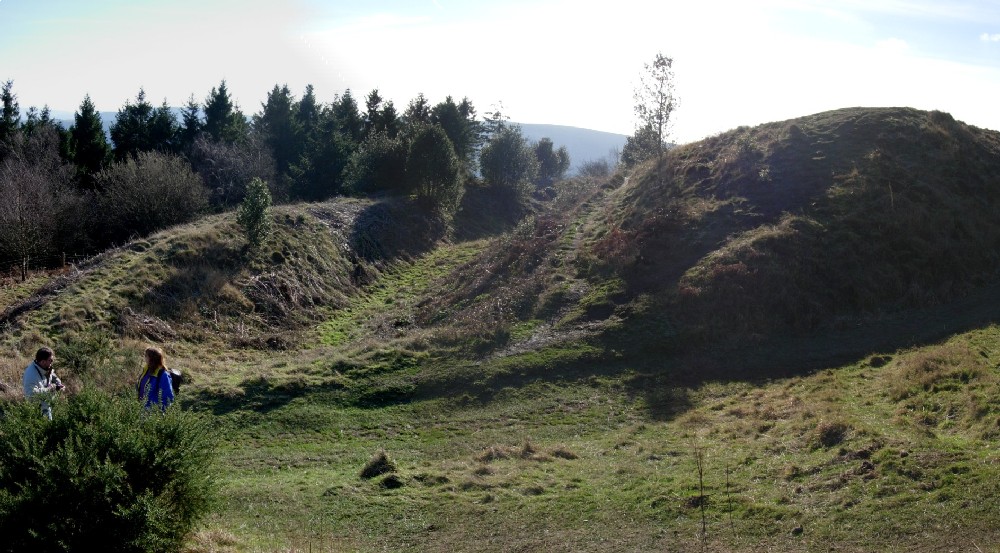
column 568, row 465
column 396, row 292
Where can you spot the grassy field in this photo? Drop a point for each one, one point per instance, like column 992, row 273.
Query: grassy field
column 894, row 453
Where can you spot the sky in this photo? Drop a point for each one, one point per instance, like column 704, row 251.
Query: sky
column 561, row 62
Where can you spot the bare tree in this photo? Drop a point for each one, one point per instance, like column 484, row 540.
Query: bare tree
column 27, row 194
column 149, row 192
column 227, row 169
column 655, row 100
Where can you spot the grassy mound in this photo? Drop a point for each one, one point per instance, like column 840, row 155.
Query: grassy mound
column 814, row 223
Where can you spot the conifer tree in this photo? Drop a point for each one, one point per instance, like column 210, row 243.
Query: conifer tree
column 191, row 126
column 417, row 114
column 279, row 127
column 164, row 132
column 130, row 131
column 380, row 116
column 345, row 111
column 223, row 119
column 459, row 122
column 10, row 115
column 508, row 164
column 433, row 169
column 307, row 113
column 552, row 162
column 89, row 147
column 373, row 103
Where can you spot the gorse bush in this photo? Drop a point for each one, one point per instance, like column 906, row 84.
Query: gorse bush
column 253, row 214
column 103, row 475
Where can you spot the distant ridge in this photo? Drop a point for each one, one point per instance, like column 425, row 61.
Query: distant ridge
column 583, row 145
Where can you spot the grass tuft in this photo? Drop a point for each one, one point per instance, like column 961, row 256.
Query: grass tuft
column 378, row 465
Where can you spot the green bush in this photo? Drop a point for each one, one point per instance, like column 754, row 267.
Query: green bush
column 103, row 475
column 254, row 214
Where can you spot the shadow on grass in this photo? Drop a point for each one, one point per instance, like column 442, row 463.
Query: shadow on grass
column 654, row 372
column 484, row 213
column 666, row 372
column 257, row 394
column 263, row 396
column 396, row 228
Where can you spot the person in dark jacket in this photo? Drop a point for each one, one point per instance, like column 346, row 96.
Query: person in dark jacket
column 154, row 384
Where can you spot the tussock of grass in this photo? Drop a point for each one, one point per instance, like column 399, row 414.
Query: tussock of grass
column 829, row 433
column 493, row 453
column 212, row 541
column 378, row 465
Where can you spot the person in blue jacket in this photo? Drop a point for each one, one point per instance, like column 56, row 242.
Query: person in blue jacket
column 154, row 384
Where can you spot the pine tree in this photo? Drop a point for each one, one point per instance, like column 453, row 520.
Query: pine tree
column 164, row 132
column 319, row 172
column 345, row 111
column 42, row 121
column 459, row 122
column 508, row 164
column 191, row 126
column 307, row 113
column 89, row 147
column 417, row 114
column 223, row 119
column 10, row 116
column 130, row 130
column 552, row 163
column 433, row 169
column 279, row 128
column 380, row 116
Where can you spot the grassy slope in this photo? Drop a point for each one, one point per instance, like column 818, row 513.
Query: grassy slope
column 499, row 378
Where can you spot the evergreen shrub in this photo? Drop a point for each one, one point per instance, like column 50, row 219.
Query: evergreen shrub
column 103, row 475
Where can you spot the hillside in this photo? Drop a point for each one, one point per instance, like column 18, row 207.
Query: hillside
column 859, row 222
column 780, row 337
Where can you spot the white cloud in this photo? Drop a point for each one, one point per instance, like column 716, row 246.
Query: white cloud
column 987, row 37
column 892, row 46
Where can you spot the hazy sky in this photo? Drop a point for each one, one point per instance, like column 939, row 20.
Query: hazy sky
column 566, row 62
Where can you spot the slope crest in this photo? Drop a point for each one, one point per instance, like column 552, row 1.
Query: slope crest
column 816, row 222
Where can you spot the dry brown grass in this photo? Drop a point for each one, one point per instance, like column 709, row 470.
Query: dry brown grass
column 923, row 370
column 212, row 541
column 11, row 372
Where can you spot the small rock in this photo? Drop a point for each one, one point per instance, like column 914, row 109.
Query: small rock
column 797, row 531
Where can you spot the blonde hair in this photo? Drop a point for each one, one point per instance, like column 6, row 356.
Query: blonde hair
column 155, row 358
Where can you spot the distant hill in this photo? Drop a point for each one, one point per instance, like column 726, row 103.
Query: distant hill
column 583, row 145
column 66, row 118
